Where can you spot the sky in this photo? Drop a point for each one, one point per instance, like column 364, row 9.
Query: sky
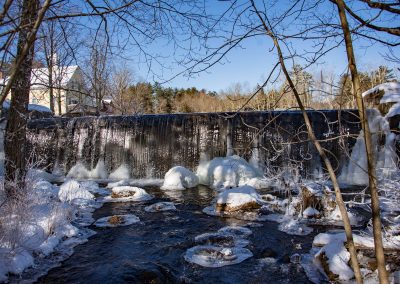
column 249, row 65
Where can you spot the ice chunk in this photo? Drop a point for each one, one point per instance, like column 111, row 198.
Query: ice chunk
column 179, row 178
column 221, row 238
column 71, row 190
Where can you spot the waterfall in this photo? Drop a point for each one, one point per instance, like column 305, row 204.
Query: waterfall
column 152, row 144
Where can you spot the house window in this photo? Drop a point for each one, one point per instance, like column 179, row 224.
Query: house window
column 34, row 100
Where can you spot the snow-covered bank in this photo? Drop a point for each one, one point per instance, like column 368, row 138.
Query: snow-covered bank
column 45, row 218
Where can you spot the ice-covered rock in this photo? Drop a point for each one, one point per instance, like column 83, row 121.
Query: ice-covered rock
column 117, row 220
column 310, row 212
column 127, row 193
column 160, row 206
column 334, row 259
column 71, row 190
column 120, row 173
column 179, row 178
column 241, row 198
column 35, row 174
column 228, row 172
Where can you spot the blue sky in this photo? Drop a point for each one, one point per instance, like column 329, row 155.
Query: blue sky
column 251, row 63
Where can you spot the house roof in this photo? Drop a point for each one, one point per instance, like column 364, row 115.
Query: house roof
column 61, row 76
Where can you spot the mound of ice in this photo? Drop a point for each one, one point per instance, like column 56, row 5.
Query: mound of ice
column 241, row 198
column 117, row 220
column 215, row 256
column 127, row 193
column 120, row 173
column 221, row 173
column 160, row 206
column 79, row 171
column 179, row 178
column 72, row 190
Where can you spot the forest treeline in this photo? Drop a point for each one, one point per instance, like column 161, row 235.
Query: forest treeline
column 318, row 92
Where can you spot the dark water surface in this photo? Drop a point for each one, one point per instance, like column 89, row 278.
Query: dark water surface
column 152, row 251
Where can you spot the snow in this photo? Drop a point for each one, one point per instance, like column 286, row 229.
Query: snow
column 323, row 239
column 126, row 194
column 160, row 206
column 222, row 173
column 41, row 223
column 120, row 173
column 179, row 178
column 391, row 92
column 31, row 107
column 394, row 110
column 137, row 182
column 79, row 171
column 237, row 197
column 127, row 219
column 71, row 190
column 41, row 174
column 310, row 212
column 338, row 259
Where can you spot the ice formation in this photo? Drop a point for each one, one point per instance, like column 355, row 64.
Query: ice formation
column 355, row 172
column 120, row 173
column 117, row 220
column 215, row 256
column 179, row 178
column 225, row 247
column 79, row 171
column 222, row 173
column 71, row 190
column 241, row 198
column 160, row 206
column 126, row 194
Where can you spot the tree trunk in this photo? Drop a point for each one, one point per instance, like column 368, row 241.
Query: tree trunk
column 376, row 219
column 15, row 140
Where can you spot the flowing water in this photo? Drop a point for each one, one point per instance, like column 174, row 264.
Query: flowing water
column 152, row 251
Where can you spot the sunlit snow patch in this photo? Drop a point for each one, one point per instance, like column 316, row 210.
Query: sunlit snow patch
column 179, row 178
column 214, row 256
column 160, row 206
column 117, row 220
column 126, row 194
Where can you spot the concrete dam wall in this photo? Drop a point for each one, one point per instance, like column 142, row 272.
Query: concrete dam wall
column 152, row 144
